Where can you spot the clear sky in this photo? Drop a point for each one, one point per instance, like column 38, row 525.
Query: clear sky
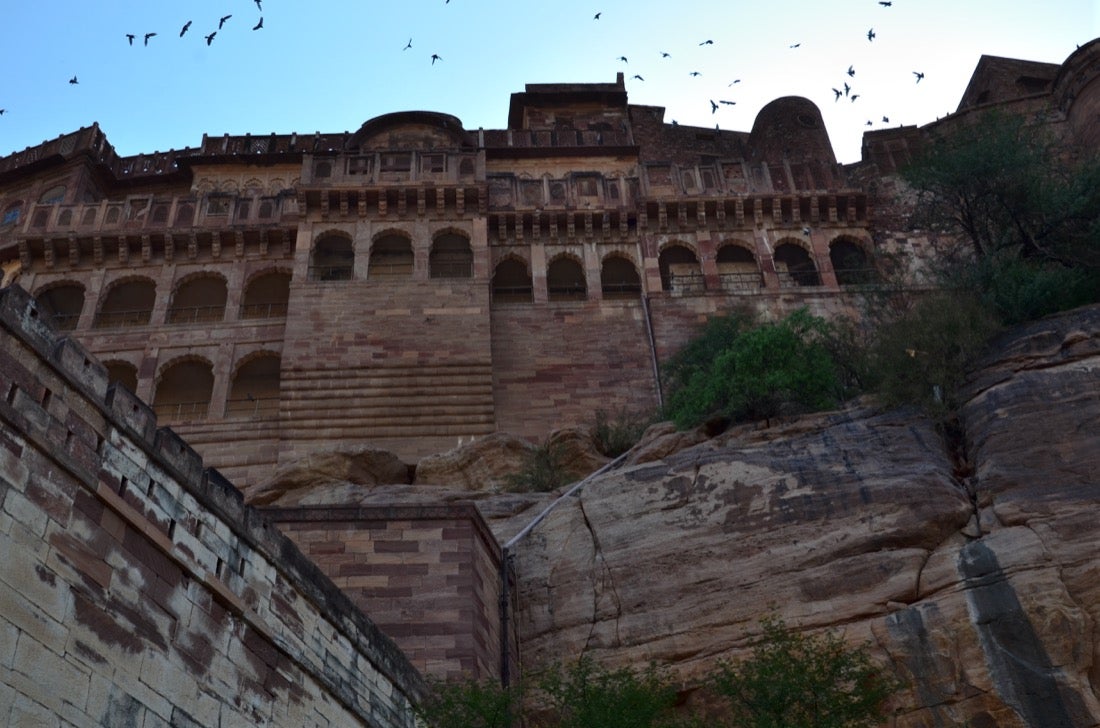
column 330, row 65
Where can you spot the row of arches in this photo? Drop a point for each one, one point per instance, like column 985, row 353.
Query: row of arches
column 184, row 388
column 680, row 271
column 197, row 298
column 391, row 256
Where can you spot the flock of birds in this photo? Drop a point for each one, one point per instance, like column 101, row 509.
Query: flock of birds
column 845, row 90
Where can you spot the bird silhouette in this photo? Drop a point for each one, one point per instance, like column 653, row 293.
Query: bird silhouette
column 736, row 80
column 886, row 120
column 713, row 106
column 597, row 16
column 847, row 88
column 838, row 93
column 222, row 19
column 185, row 27
column 210, row 38
column 851, row 70
column 795, row 45
column 259, row 6
column 885, row 3
column 408, row 45
column 727, row 103
column 919, row 75
column 73, row 80
column 623, row 59
column 638, row 77
column 695, row 73
column 148, row 36
column 436, row 57
column 259, row 25
column 871, row 34
column 130, row 37
column 665, row 55
column 869, row 122
column 853, row 97
column 707, row 42
column 2, row 111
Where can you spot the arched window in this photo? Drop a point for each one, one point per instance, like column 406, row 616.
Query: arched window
column 129, row 303
column 794, row 266
column 122, row 372
column 680, row 270
column 52, row 196
column 451, row 257
column 565, row 280
column 65, row 218
column 851, row 264
column 333, row 259
column 266, row 296
column 63, row 303
column 200, row 299
column 11, row 214
column 183, row 391
column 619, row 278
column 255, row 389
column 511, row 282
column 185, row 215
column 89, row 217
column 391, row 256
column 737, row 269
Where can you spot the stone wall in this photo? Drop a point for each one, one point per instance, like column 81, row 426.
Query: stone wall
column 138, row 590
column 429, row 576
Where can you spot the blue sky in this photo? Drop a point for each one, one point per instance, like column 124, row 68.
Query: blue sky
column 330, row 65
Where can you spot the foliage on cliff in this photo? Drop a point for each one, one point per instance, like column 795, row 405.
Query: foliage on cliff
column 740, row 369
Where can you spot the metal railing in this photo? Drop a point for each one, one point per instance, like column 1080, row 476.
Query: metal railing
column 512, row 294
column 621, row 290
column 864, row 276
column 799, row 279
column 452, row 270
column 64, row 321
column 263, row 310
column 195, row 314
column 402, row 269
column 684, row 283
column 330, row 272
column 567, row 292
column 741, row 281
column 252, row 407
column 179, row 411
column 118, row 319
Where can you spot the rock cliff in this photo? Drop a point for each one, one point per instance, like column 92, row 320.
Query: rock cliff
column 970, row 562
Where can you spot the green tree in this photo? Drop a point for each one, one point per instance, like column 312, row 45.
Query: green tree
column 470, row 704
column 745, row 371
column 584, row 694
column 795, row 680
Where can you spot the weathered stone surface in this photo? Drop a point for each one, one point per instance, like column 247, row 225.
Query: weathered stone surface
column 983, row 593
column 483, row 464
column 359, row 466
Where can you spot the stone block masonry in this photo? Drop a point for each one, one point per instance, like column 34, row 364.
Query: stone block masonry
column 138, row 590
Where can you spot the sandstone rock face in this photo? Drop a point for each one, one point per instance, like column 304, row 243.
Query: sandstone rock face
column 972, row 570
column 359, row 466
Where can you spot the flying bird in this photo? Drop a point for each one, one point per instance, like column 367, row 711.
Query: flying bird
column 885, row 3
column 847, row 88
column 184, row 28
column 869, row 122
column 259, row 6
column 795, row 45
column 222, row 19
column 838, row 93
column 851, row 70
column 707, row 42
column 853, row 97
column 259, row 25
column 623, row 59
column 73, row 80
column 727, row 103
column 665, row 55
column 713, row 106
column 736, row 80
column 871, row 34
column 436, row 57
column 130, row 37
column 638, row 77
column 919, row 75
column 695, row 73
column 2, row 111
column 148, row 36
column 597, row 16
column 408, row 45
column 886, row 120
column 210, row 38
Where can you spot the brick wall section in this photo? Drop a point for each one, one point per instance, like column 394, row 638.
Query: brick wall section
column 137, row 588
column 427, row 575
column 556, row 364
column 404, row 365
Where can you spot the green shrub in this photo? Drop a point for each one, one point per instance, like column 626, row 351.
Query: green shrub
column 615, row 435
column 470, row 704
column 545, row 468
column 743, row 371
column 1020, row 290
column 794, row 680
column 584, row 694
column 922, row 357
